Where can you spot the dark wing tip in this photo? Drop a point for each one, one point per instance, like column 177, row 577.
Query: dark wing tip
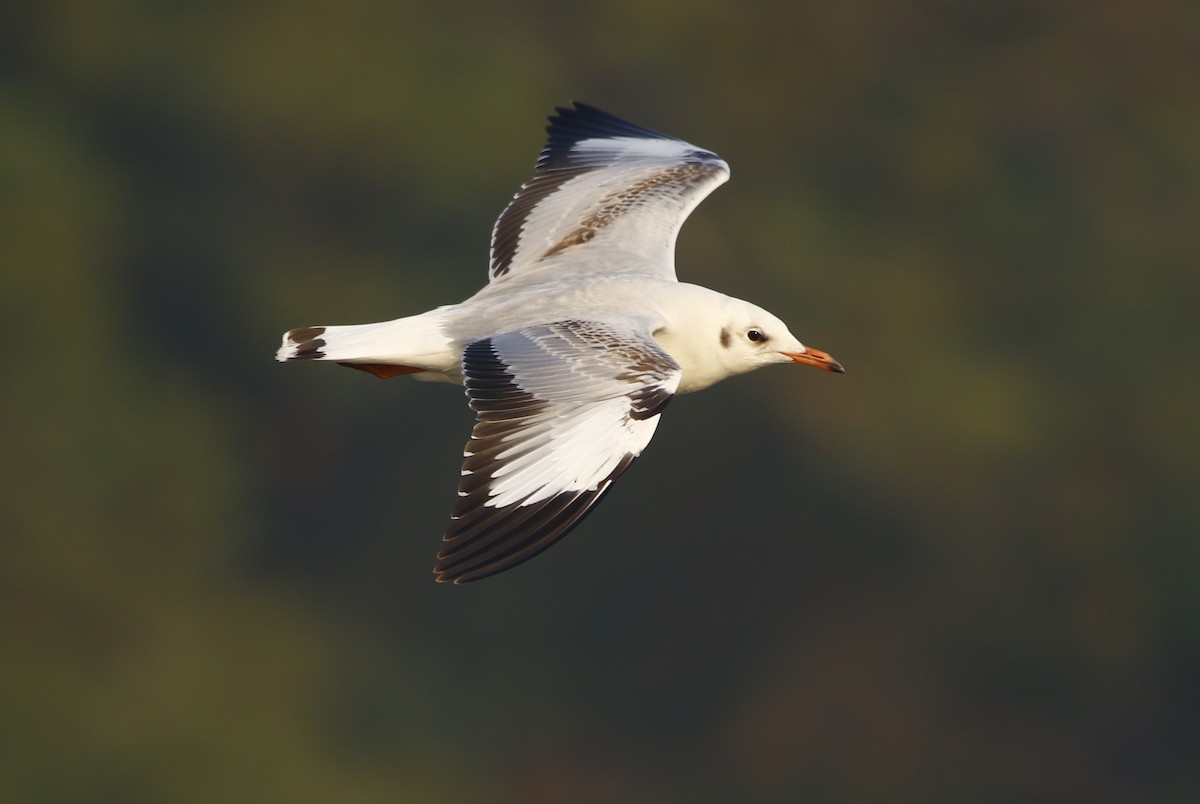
column 485, row 548
column 580, row 121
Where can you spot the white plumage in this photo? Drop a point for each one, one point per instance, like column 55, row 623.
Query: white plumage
column 582, row 336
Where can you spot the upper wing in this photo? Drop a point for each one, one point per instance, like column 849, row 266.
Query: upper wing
column 603, row 183
column 563, row 409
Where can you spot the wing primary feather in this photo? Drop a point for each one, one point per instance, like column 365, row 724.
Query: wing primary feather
column 562, row 410
column 580, row 121
column 596, row 173
column 548, row 524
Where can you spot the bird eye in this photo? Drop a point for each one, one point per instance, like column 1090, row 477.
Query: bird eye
column 755, row 336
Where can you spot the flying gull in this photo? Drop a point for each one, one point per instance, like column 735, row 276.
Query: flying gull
column 579, row 340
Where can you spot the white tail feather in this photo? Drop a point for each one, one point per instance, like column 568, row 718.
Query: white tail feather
column 416, row 341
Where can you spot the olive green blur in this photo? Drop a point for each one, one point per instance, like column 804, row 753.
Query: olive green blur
column 968, row 570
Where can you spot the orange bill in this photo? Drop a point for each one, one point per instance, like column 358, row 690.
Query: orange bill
column 815, row 357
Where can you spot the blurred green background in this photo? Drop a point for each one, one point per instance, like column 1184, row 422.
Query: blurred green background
column 968, row 570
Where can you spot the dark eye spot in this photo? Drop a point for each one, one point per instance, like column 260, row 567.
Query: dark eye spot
column 755, row 336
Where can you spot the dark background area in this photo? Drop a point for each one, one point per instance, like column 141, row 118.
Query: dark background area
column 964, row 571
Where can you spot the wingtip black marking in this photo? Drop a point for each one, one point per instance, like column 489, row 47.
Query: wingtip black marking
column 581, row 121
column 497, row 547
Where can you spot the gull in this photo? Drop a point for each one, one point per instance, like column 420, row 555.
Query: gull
column 583, row 334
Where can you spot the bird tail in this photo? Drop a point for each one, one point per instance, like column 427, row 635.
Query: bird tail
column 403, row 346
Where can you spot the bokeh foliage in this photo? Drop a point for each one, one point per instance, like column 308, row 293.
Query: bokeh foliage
column 967, row 570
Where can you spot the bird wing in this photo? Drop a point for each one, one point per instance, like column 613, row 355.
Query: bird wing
column 604, row 185
column 563, row 409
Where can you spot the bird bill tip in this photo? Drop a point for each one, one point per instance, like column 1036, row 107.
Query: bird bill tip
column 815, row 357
